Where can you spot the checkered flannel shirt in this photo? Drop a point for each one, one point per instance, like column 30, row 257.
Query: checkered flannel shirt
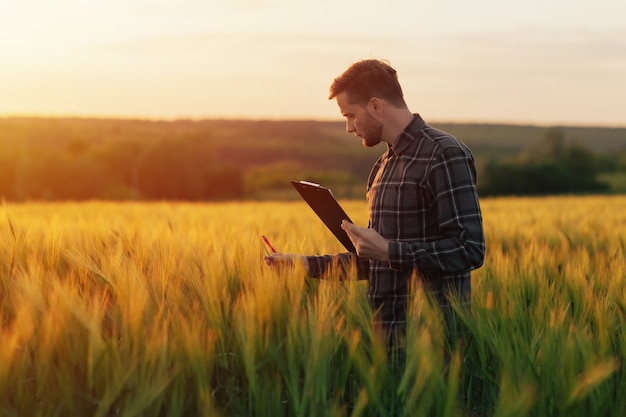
column 422, row 198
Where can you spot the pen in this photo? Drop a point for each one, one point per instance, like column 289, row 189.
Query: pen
column 267, row 242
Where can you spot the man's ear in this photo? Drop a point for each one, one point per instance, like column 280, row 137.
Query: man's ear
column 376, row 105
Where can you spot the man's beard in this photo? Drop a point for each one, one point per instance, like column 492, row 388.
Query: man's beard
column 373, row 134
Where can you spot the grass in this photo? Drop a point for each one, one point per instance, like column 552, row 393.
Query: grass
column 168, row 310
column 616, row 181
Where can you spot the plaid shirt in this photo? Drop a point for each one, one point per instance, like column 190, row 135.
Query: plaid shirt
column 422, row 198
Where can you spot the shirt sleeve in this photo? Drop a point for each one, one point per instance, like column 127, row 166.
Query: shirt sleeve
column 458, row 245
column 343, row 265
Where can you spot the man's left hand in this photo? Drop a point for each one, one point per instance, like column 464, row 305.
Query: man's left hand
column 368, row 242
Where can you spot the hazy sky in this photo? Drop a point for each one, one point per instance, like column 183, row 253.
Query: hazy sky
column 531, row 61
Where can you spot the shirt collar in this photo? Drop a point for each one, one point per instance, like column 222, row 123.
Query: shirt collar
column 409, row 134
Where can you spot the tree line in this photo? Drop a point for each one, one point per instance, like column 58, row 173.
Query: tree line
column 554, row 168
column 168, row 169
column 191, row 161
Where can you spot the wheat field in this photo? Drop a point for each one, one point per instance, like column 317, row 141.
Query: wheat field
column 167, row 309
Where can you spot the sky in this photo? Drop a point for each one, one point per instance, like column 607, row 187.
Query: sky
column 543, row 62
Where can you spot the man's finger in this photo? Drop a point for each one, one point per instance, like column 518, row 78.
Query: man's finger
column 353, row 233
column 348, row 227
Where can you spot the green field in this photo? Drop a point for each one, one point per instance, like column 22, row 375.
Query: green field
column 165, row 309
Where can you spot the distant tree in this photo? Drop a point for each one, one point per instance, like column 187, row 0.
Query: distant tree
column 54, row 176
column 183, row 169
column 222, row 182
column 609, row 162
column 555, row 139
column 121, row 160
column 170, row 169
column 558, row 168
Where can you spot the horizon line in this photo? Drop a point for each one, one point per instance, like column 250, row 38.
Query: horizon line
column 250, row 118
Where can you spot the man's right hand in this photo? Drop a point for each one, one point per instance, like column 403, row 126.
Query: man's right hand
column 278, row 259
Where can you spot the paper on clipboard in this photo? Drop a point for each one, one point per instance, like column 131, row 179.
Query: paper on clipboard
column 324, row 204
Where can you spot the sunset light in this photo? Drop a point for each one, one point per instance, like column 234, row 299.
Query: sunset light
column 190, row 227
column 485, row 61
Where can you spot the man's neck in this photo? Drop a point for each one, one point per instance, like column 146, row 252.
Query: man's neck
column 397, row 119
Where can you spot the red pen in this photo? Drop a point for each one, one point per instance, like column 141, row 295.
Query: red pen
column 267, row 242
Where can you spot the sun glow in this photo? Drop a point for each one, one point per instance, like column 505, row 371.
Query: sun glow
column 276, row 58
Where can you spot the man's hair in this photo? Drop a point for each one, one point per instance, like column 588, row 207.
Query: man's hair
column 366, row 79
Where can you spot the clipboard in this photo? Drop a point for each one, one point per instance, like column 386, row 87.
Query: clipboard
column 323, row 203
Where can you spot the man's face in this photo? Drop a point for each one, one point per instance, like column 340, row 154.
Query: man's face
column 360, row 120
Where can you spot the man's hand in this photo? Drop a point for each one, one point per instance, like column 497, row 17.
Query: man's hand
column 278, row 260
column 368, row 242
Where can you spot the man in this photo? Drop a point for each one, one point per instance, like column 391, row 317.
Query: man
column 425, row 219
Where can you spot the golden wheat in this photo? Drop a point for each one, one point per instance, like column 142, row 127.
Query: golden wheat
column 168, row 309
